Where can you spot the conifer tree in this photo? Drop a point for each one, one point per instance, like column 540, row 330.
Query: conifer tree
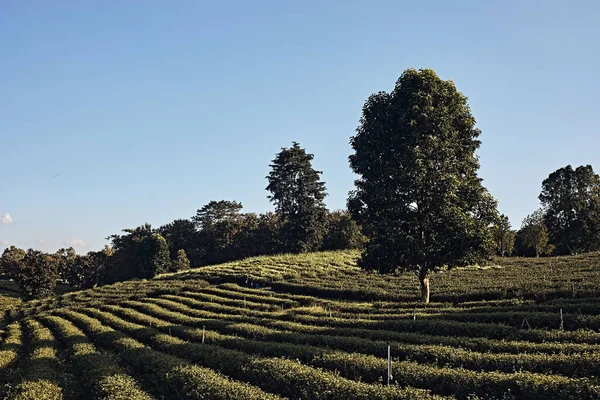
column 298, row 194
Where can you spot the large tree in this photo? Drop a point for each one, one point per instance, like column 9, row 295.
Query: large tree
column 571, row 199
column 298, row 194
column 38, row 275
column 66, row 259
column 343, row 232
column 181, row 234
column 140, row 253
column 418, row 195
column 218, row 222
column 181, row 262
column 258, row 234
column 534, row 233
column 11, row 261
column 504, row 236
column 215, row 212
column 86, row 271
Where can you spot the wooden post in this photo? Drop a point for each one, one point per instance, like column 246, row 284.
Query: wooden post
column 562, row 325
column 203, row 328
column 389, row 371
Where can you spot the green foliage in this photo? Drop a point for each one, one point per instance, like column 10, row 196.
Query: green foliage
column 256, row 234
column 11, row 262
column 9, row 348
column 100, row 372
column 571, row 201
column 504, row 236
column 181, row 234
column 90, row 271
column 155, row 256
column 224, row 234
column 173, row 377
column 66, row 260
column 535, row 234
column 37, row 275
column 216, row 212
column 306, row 346
column 298, row 194
column 418, row 196
column 181, row 263
column 141, row 253
column 343, row 232
column 219, row 222
column 461, row 382
column 81, row 271
column 493, row 335
column 41, row 378
column 290, row 378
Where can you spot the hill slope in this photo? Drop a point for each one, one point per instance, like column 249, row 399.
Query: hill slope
column 314, row 327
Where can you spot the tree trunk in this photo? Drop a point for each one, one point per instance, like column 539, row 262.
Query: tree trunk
column 424, row 289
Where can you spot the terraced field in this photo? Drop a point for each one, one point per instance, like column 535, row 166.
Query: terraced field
column 314, row 327
column 10, row 295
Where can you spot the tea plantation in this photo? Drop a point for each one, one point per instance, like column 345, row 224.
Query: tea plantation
column 314, row 327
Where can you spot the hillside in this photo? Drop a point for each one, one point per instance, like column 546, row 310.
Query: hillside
column 10, row 295
column 314, row 327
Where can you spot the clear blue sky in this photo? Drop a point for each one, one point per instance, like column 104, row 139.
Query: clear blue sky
column 148, row 110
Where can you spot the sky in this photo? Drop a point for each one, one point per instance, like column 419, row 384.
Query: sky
column 115, row 113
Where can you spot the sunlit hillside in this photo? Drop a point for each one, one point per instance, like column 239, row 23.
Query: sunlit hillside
column 314, row 326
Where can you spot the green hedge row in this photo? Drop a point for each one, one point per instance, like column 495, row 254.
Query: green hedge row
column 266, row 291
column 427, row 326
column 259, row 329
column 225, row 308
column 445, row 381
column 238, row 303
column 463, row 383
column 99, row 372
column 9, row 350
column 41, row 378
column 279, row 375
column 258, row 296
column 306, row 346
column 172, row 376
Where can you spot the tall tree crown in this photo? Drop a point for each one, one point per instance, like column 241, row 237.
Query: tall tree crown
column 571, row 200
column 298, row 194
column 418, row 194
column 293, row 182
column 216, row 212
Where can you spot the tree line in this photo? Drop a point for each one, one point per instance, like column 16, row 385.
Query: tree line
column 218, row 232
column 418, row 205
column 567, row 223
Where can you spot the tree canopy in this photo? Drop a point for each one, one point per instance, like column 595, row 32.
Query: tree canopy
column 418, row 194
column 504, row 236
column 571, row 201
column 535, row 233
column 342, row 232
column 38, row 274
column 181, row 234
column 140, row 253
column 298, row 194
